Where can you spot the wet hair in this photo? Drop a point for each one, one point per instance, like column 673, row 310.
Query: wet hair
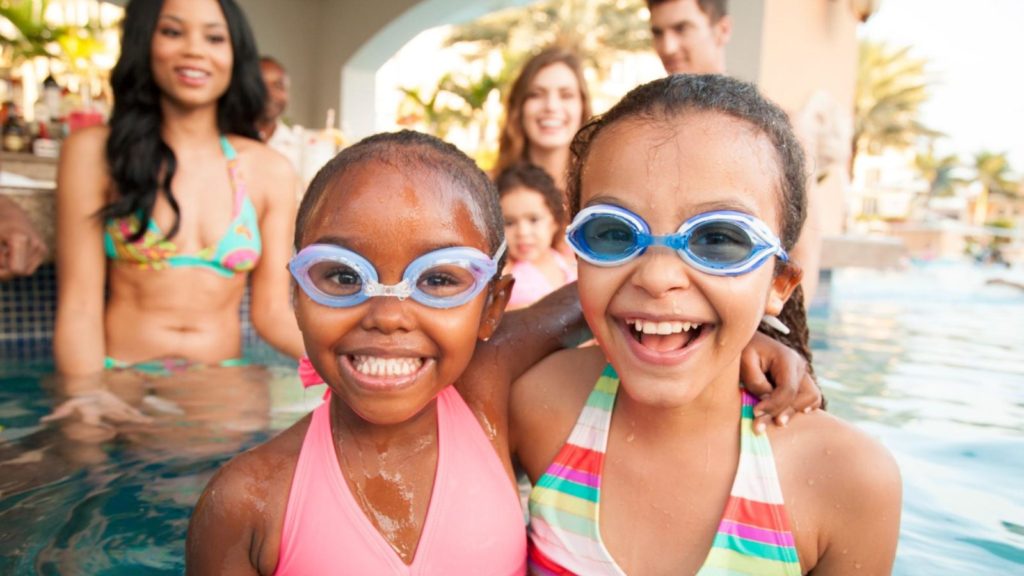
column 535, row 179
column 715, row 9
column 141, row 164
column 512, row 144
column 667, row 100
column 404, row 150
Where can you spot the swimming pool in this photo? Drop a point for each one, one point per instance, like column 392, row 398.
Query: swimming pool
column 930, row 360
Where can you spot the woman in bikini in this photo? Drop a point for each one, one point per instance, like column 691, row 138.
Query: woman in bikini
column 175, row 204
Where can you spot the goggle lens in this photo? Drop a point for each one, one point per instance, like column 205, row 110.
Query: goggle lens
column 610, row 238
column 720, row 243
column 446, row 280
column 335, row 278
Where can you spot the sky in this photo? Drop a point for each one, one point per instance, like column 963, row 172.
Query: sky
column 975, row 49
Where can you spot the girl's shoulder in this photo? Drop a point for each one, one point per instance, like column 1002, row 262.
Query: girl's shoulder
column 273, row 456
column 839, row 482
column 547, row 400
column 244, row 503
column 819, row 442
column 257, row 481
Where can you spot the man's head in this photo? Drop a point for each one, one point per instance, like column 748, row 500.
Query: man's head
column 276, row 79
column 690, row 35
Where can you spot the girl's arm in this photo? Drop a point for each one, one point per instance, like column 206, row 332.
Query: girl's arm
column 271, row 306
column 221, row 533
column 780, row 377
column 527, row 335
column 82, row 184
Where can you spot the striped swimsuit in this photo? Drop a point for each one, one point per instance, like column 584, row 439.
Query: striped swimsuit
column 753, row 537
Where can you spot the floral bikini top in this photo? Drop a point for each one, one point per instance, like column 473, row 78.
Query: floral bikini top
column 237, row 251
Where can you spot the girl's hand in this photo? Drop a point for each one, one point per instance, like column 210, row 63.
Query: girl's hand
column 780, row 377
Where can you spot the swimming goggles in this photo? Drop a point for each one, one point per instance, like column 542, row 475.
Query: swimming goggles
column 339, row 278
column 721, row 242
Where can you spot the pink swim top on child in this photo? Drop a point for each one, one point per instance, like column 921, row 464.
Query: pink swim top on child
column 474, row 522
column 531, row 284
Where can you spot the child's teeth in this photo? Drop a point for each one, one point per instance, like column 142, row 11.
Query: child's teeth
column 375, row 366
column 662, row 328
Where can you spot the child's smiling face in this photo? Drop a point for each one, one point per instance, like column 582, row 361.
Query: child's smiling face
column 666, row 173
column 388, row 358
column 530, row 227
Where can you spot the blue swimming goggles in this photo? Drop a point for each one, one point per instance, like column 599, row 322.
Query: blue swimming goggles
column 721, row 242
column 339, row 278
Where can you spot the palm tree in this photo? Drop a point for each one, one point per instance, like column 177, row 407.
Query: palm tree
column 992, row 171
column 594, row 30
column 938, row 172
column 891, row 87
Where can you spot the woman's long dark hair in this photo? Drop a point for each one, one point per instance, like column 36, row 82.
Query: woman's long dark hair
column 141, row 164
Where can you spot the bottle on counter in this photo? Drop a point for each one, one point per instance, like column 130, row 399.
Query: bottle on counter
column 51, row 98
column 15, row 133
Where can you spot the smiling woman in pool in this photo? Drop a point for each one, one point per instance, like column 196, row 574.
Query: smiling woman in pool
column 168, row 212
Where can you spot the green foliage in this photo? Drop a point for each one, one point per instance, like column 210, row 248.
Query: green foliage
column 73, row 45
column 593, row 29
column 598, row 31
column 993, row 171
column 891, row 87
column 938, row 172
column 35, row 37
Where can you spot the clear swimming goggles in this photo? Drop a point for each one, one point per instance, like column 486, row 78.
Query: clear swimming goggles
column 339, row 278
column 721, row 242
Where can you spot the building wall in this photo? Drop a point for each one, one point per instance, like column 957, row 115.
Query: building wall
column 318, row 39
column 807, row 63
column 282, row 30
column 808, row 45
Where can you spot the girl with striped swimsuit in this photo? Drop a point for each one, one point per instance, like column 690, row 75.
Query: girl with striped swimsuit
column 687, row 195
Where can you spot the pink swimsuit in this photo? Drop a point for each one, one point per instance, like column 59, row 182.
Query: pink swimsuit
column 531, row 284
column 474, row 522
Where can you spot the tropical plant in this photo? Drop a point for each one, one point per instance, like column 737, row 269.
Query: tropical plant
column 891, row 87
column 34, row 36
column 993, row 172
column 597, row 30
column 73, row 45
column 419, row 108
column 939, row 172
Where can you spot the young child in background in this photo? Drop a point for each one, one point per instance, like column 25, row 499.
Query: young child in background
column 687, row 194
column 534, row 211
column 405, row 469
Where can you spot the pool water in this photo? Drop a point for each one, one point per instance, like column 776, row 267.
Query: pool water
column 930, row 360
